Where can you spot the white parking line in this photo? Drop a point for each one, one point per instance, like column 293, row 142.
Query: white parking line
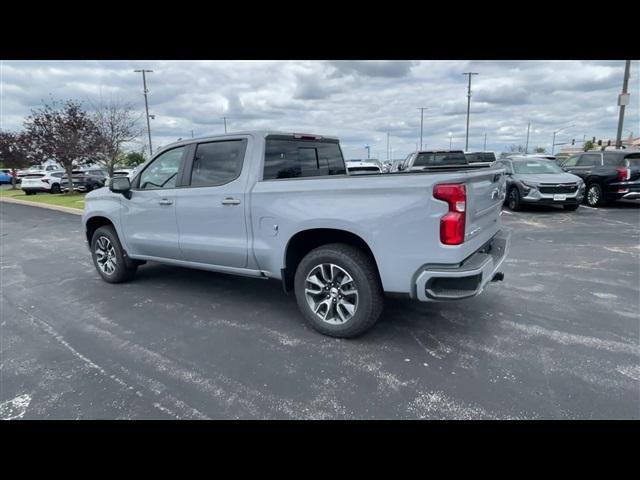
column 506, row 211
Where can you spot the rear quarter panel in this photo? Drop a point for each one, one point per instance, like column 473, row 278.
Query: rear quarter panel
column 395, row 214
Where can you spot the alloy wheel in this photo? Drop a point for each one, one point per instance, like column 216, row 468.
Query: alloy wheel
column 105, row 255
column 331, row 293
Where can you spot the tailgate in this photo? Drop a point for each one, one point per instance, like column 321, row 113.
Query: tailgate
column 486, row 191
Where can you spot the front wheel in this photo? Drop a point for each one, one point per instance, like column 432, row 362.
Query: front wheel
column 108, row 256
column 338, row 290
column 513, row 199
column 593, row 196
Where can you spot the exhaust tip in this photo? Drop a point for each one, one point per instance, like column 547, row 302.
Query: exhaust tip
column 498, row 277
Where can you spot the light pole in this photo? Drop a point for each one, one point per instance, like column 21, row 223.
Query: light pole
column 225, row 124
column 553, row 143
column 485, row 142
column 422, row 109
column 368, row 151
column 146, row 104
column 450, row 140
column 623, row 100
column 387, row 145
column 469, row 74
column 526, row 147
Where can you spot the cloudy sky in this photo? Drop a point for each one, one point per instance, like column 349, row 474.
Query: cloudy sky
column 357, row 101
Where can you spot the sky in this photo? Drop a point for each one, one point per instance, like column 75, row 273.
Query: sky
column 356, row 101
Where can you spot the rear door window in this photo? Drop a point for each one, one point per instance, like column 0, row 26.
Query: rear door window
column 589, row 160
column 300, row 159
column 217, row 163
column 613, row 160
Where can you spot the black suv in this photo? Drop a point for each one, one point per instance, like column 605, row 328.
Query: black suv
column 609, row 175
column 84, row 180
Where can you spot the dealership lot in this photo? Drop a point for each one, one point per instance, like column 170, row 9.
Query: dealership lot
column 559, row 338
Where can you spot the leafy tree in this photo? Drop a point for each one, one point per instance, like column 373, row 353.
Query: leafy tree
column 540, row 150
column 588, row 145
column 15, row 153
column 117, row 124
column 133, row 159
column 64, row 132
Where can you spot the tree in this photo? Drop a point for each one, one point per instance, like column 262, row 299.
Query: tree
column 63, row 132
column 516, row 148
column 133, row 159
column 588, row 145
column 14, row 153
column 540, row 150
column 117, row 124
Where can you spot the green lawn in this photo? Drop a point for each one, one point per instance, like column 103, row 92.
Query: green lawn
column 75, row 200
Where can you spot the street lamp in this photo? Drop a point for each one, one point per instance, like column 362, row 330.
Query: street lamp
column 368, row 150
column 553, row 143
column 450, row 140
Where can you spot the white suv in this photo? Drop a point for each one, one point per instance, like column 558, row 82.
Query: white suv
column 42, row 181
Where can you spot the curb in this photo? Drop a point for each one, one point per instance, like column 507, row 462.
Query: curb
column 74, row 211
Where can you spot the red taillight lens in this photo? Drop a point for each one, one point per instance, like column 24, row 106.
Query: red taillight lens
column 453, row 222
column 623, row 174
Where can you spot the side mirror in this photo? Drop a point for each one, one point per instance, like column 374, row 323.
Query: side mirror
column 120, row 185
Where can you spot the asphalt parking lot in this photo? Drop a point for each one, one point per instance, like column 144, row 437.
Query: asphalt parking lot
column 558, row 339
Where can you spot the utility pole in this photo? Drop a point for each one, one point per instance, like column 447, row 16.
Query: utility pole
column 146, row 104
column 450, row 140
column 485, row 142
column 623, row 100
column 422, row 109
column 469, row 74
column 191, row 133
column 387, row 145
column 225, row 124
column 526, row 148
column 368, row 151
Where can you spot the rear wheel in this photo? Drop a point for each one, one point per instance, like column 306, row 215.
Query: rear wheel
column 29, row 192
column 109, row 258
column 513, row 199
column 338, row 290
column 55, row 188
column 593, row 197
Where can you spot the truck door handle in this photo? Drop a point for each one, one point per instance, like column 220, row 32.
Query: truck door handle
column 165, row 201
column 231, row 201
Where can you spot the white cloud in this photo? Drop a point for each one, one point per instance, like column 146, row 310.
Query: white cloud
column 358, row 101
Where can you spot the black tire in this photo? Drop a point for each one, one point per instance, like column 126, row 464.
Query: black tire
column 362, row 270
column 571, row 208
column 55, row 188
column 513, row 199
column 593, row 195
column 125, row 269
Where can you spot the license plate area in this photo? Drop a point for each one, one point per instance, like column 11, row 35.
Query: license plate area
column 559, row 197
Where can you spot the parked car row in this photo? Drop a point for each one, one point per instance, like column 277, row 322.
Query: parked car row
column 83, row 180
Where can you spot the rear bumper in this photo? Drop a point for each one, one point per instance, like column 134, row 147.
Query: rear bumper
column 626, row 190
column 465, row 280
column 34, row 189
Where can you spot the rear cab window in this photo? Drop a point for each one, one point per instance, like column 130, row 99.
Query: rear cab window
column 435, row 159
column 291, row 157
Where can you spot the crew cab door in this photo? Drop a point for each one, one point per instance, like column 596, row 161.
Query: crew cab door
column 149, row 216
column 211, row 207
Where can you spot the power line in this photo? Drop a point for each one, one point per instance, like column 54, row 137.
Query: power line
column 469, row 74
column 146, row 104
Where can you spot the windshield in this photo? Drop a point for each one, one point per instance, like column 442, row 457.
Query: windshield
column 536, row 167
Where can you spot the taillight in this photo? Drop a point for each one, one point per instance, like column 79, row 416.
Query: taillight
column 453, row 222
column 623, row 173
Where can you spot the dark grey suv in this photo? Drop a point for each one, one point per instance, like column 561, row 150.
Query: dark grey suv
column 541, row 182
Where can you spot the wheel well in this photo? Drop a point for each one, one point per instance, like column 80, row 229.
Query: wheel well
column 303, row 242
column 94, row 223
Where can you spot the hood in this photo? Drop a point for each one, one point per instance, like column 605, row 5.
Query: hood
column 548, row 177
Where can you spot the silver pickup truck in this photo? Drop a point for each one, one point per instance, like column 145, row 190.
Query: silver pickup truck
column 276, row 205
